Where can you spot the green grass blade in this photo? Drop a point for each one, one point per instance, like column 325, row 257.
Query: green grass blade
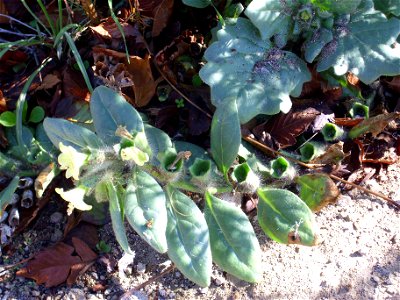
column 21, row 102
column 34, row 16
column 46, row 14
column 61, row 33
column 79, row 61
column 114, row 17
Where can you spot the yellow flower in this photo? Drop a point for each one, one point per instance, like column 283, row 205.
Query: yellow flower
column 135, row 154
column 71, row 160
column 75, row 198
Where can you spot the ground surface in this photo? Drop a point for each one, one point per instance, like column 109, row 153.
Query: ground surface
column 359, row 258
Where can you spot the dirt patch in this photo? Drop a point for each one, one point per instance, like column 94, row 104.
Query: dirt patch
column 359, row 258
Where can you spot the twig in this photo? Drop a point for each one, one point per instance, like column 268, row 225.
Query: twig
column 19, row 22
column 267, row 150
column 9, row 267
column 151, row 280
column 17, row 33
column 179, row 92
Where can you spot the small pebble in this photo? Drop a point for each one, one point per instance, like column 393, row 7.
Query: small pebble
column 177, row 274
column 56, row 236
column 219, row 281
column 35, row 293
column 162, row 293
column 56, row 217
column 141, row 268
column 203, row 290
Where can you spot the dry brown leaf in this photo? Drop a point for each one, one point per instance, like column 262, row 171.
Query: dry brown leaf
column 162, row 14
column 284, row 128
column 49, row 81
column 109, row 29
column 333, row 155
column 352, row 79
column 89, row 9
column 137, row 71
column 57, row 265
column 394, row 84
column 374, row 125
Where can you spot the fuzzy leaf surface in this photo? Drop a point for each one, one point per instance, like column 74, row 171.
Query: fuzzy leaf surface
column 270, row 16
column 234, row 245
column 145, row 209
column 363, row 46
column 259, row 77
column 110, row 110
column 116, row 213
column 197, row 3
column 188, row 238
column 388, row 6
column 70, row 134
column 317, row 190
column 225, row 135
column 285, row 218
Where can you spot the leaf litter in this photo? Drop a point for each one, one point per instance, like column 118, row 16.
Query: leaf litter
column 137, row 81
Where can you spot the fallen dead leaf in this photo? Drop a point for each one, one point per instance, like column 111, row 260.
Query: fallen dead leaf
column 352, row 79
column 49, row 81
column 394, row 84
column 374, row 125
column 137, row 71
column 284, row 128
column 333, row 155
column 56, row 265
column 162, row 14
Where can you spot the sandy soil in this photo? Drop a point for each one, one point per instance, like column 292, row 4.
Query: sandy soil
column 359, row 258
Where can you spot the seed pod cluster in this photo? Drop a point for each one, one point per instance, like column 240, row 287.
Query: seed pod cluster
column 9, row 219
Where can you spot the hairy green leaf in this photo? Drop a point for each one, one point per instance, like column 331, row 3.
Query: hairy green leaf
column 197, row 3
column 188, row 238
column 7, row 193
column 259, row 77
column 285, row 218
column 145, row 209
column 317, row 190
column 234, row 245
column 110, row 110
column 158, row 141
column 363, row 45
column 116, row 212
column 337, row 7
column 271, row 16
column 225, row 135
column 388, row 6
column 70, row 134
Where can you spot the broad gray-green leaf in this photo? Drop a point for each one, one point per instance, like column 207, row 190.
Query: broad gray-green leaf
column 188, row 238
column 70, row 134
column 363, row 46
column 314, row 44
column 116, row 212
column 388, row 6
column 7, row 193
column 225, row 135
column 145, row 209
column 197, row 3
column 109, row 111
column 259, row 77
column 158, row 141
column 270, row 16
column 337, row 7
column 285, row 218
column 234, row 245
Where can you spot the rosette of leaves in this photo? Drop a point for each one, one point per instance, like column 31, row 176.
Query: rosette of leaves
column 348, row 36
column 142, row 174
column 244, row 68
